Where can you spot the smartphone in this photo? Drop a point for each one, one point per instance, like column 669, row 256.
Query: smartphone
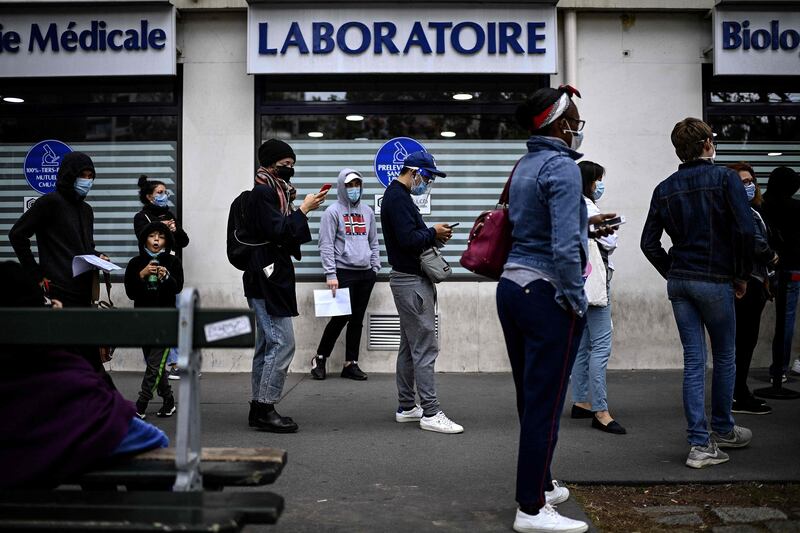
column 614, row 222
column 453, row 225
column 324, row 188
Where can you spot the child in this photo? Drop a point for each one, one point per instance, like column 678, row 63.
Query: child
column 152, row 279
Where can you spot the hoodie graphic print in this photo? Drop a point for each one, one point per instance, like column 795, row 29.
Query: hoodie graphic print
column 348, row 237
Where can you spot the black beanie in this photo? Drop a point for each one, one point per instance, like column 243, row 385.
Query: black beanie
column 274, row 150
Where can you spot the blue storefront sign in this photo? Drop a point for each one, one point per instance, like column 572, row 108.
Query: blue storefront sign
column 389, row 158
column 42, row 164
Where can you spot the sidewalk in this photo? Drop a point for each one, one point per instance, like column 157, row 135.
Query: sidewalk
column 352, row 468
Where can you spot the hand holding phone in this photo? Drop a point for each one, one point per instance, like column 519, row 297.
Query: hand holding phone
column 325, row 188
column 453, row 225
column 613, row 222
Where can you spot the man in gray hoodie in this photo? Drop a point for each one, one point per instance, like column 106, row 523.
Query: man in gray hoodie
column 348, row 246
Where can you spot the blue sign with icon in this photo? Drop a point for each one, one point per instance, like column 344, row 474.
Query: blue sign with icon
column 42, row 164
column 390, row 157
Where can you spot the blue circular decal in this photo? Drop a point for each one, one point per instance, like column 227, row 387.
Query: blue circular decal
column 390, row 157
column 42, row 164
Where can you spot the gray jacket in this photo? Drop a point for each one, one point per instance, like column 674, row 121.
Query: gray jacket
column 348, row 237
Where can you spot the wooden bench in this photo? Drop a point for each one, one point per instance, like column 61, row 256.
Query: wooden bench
column 186, row 468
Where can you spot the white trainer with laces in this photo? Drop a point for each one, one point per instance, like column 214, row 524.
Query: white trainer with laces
column 796, row 366
column 412, row 415
column 440, row 424
column 548, row 520
column 558, row 495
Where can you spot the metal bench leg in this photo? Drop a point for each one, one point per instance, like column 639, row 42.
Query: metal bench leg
column 187, row 447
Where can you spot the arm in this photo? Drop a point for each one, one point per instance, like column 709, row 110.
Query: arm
column 134, row 284
column 174, row 281
column 410, row 238
column 375, row 256
column 651, row 240
column 327, row 238
column 743, row 230
column 762, row 250
column 20, row 235
column 565, row 204
column 274, row 226
column 139, row 222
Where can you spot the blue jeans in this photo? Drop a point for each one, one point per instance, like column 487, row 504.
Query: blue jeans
column 273, row 355
column 589, row 371
column 699, row 306
column 788, row 292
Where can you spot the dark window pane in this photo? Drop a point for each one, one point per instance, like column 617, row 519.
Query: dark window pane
column 753, row 128
column 727, row 97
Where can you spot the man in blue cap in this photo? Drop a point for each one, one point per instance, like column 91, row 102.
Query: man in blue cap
column 406, row 237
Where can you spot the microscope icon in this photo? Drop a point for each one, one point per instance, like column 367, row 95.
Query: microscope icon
column 400, row 153
column 49, row 158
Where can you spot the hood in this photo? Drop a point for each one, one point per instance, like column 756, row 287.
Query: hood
column 341, row 188
column 783, row 183
column 71, row 167
column 170, row 239
column 541, row 142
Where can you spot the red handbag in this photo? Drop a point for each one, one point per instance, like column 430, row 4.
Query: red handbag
column 489, row 240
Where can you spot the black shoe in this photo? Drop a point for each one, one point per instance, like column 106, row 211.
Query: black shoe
column 352, row 371
column 751, row 408
column 168, row 408
column 266, row 418
column 318, row 366
column 141, row 407
column 611, row 427
column 580, row 412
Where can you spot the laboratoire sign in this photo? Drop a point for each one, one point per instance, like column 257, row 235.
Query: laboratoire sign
column 384, row 39
column 756, row 42
column 114, row 40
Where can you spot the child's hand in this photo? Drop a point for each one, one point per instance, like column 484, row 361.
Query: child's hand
column 151, row 268
column 162, row 273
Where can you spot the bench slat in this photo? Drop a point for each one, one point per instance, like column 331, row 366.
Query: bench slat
column 266, row 455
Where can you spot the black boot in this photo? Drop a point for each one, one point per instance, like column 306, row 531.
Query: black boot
column 318, row 367
column 264, row 417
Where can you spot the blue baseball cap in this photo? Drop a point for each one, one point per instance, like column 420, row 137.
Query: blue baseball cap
column 423, row 161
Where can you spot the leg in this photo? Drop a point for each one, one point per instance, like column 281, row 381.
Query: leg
column 164, row 389
column 260, row 353
column 792, row 294
column 778, row 339
column 748, row 322
column 599, row 324
column 335, row 326
column 405, row 365
column 693, row 339
column 155, row 359
column 514, row 338
column 360, row 292
column 580, row 370
column 278, row 351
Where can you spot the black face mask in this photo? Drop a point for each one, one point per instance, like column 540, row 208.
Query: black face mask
column 284, row 173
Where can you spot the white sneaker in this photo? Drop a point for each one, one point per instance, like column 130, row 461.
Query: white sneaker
column 796, row 366
column 558, row 495
column 440, row 424
column 548, row 520
column 412, row 415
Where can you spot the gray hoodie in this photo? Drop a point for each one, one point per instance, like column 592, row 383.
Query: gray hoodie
column 348, row 237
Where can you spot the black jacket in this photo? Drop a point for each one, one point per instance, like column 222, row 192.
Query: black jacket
column 404, row 232
column 782, row 215
column 285, row 234
column 62, row 222
column 153, row 213
column 137, row 288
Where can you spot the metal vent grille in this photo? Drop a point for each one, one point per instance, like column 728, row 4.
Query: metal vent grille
column 384, row 332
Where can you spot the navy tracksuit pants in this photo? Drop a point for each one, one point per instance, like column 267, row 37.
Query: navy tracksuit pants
column 542, row 339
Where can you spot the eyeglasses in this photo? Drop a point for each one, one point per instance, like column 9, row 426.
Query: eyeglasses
column 580, row 123
column 713, row 143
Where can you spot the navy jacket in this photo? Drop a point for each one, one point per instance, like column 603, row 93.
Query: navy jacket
column 704, row 210
column 404, row 232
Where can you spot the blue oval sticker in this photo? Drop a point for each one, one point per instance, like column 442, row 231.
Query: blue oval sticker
column 42, row 164
column 389, row 158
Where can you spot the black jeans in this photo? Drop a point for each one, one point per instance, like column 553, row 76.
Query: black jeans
column 155, row 375
column 360, row 283
column 748, row 323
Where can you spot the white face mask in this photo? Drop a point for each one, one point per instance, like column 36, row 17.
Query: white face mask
column 577, row 137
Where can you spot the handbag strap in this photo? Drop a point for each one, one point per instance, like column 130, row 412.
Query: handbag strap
column 107, row 281
column 506, row 190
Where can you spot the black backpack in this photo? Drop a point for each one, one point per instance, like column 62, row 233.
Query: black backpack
column 240, row 245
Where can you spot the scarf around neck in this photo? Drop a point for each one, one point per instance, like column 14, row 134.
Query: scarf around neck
column 286, row 192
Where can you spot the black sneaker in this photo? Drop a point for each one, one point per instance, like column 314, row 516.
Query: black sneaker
column 352, row 371
column 318, row 367
column 141, row 407
column 168, row 408
column 750, row 408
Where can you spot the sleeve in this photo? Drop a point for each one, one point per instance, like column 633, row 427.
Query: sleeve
column 174, row 283
column 375, row 254
column 133, row 283
column 328, row 226
column 181, row 239
column 21, row 232
column 139, row 222
column 286, row 230
column 91, row 232
column 743, row 226
column 565, row 201
column 650, row 242
column 410, row 238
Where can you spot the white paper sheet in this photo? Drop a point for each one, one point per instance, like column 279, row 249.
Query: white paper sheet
column 82, row 263
column 326, row 305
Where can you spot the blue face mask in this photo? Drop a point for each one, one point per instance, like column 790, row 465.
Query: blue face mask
column 599, row 189
column 421, row 188
column 354, row 194
column 750, row 189
column 160, row 199
column 83, row 186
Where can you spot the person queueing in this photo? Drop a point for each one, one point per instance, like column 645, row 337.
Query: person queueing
column 540, row 296
column 348, row 247
column 155, row 201
column 153, row 279
column 750, row 306
column 406, row 237
column 589, row 371
column 704, row 210
column 269, row 284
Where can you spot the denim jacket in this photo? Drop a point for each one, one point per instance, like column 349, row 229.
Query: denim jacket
column 704, row 210
column 549, row 220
